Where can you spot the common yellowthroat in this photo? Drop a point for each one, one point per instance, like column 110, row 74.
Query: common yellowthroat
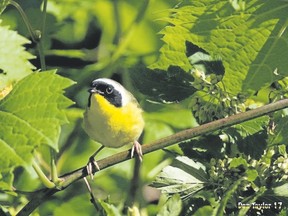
column 113, row 117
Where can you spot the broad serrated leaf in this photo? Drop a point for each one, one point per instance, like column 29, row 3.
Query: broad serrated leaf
column 183, row 176
column 253, row 126
column 31, row 115
column 172, row 207
column 174, row 84
column 14, row 61
column 252, row 43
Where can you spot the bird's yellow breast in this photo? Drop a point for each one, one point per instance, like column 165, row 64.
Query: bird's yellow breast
column 113, row 126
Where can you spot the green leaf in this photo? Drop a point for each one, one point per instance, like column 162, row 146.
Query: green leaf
column 31, row 116
column 277, row 194
column 252, row 174
column 3, row 5
column 235, row 162
column 14, row 61
column 282, row 150
column 183, row 176
column 172, row 207
column 280, row 134
column 252, row 43
column 253, row 126
column 281, row 190
column 174, row 84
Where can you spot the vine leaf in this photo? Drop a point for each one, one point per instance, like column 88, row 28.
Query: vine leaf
column 252, row 43
column 183, row 176
column 14, row 61
column 31, row 115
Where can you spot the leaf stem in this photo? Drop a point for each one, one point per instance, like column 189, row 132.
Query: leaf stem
column 40, row 42
column 44, row 17
column 26, row 21
column 69, row 178
column 54, row 175
column 42, row 176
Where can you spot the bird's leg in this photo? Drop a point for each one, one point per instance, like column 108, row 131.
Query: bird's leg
column 93, row 200
column 138, row 149
column 92, row 163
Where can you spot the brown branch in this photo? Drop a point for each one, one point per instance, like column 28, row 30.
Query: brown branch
column 75, row 175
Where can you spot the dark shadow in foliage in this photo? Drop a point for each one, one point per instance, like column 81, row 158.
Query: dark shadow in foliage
column 204, row 148
column 89, row 43
column 253, row 145
column 192, row 205
column 172, row 85
column 175, row 84
column 211, row 65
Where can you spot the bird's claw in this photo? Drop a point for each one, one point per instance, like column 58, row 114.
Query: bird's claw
column 138, row 149
column 90, row 165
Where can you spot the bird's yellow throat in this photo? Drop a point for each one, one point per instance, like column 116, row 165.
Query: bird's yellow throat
column 115, row 125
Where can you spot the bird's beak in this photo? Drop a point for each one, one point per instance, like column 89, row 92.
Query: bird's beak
column 92, row 90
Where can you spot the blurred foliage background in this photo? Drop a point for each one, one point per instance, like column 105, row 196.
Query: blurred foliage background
column 187, row 63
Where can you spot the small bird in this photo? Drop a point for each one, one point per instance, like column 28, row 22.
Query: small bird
column 113, row 118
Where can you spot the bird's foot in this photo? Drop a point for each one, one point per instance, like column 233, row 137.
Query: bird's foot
column 138, row 149
column 92, row 164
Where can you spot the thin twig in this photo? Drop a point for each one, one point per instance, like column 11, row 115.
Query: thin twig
column 75, row 175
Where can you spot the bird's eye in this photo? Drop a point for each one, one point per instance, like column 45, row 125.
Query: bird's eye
column 109, row 90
